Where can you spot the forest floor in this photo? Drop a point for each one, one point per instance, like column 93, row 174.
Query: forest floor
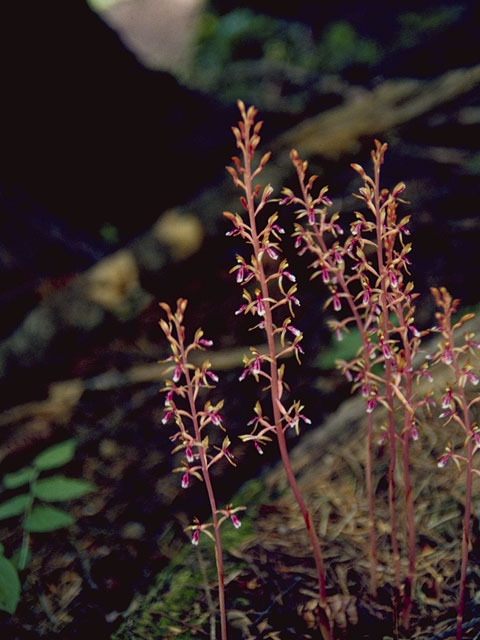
column 125, row 570
column 271, row 577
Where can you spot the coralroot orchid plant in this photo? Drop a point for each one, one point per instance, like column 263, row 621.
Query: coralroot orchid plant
column 367, row 276
column 364, row 264
column 457, row 408
column 273, row 296
column 192, row 423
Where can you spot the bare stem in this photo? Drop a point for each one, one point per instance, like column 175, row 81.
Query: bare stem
column 380, row 215
column 466, row 535
column 210, row 493
column 274, row 388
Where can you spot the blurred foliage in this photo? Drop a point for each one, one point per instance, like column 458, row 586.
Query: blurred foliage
column 102, row 5
column 342, row 47
column 415, row 26
column 263, row 58
column 237, row 51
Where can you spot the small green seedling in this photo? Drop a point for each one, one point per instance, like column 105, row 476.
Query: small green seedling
column 37, row 517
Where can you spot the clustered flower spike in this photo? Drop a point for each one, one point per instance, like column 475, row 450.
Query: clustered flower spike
column 272, row 294
column 183, row 407
column 360, row 287
column 457, row 355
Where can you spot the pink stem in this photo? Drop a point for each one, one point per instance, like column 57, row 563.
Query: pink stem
column 211, row 495
column 388, row 386
column 269, row 330
column 369, row 438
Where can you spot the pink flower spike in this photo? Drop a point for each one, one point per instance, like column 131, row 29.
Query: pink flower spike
column 356, row 228
column 205, row 343
column 167, row 417
column 240, row 309
column 216, row 419
column 235, row 521
column 298, row 348
column 472, row 377
column 189, row 454
column 240, row 275
column 371, row 404
column 272, row 253
column 169, row 399
column 213, row 376
column 473, row 344
column 447, row 399
column 387, row 354
column 195, row 537
column 177, row 372
column 258, row 447
column 311, row 216
column 260, row 306
column 447, row 414
column 416, row 333
column 325, row 275
column 443, row 461
column 447, row 356
column 337, row 305
column 383, row 438
column 426, row 373
column 338, row 256
column 185, row 480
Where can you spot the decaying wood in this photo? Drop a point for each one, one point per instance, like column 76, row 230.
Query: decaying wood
column 65, row 322
column 114, row 289
column 389, row 105
column 35, row 422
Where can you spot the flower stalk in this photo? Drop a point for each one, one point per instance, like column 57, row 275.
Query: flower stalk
column 191, row 422
column 270, row 296
column 365, row 273
column 456, row 408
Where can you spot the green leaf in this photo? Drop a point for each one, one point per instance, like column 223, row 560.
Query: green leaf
column 58, row 488
column 17, row 556
column 55, row 456
column 9, row 586
column 14, row 507
column 19, row 478
column 345, row 349
column 44, row 518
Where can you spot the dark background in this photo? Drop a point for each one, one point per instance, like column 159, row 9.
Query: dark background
column 89, row 137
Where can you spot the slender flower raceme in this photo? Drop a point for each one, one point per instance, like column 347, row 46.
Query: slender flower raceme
column 271, row 301
column 192, row 423
column 456, row 407
column 366, row 273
